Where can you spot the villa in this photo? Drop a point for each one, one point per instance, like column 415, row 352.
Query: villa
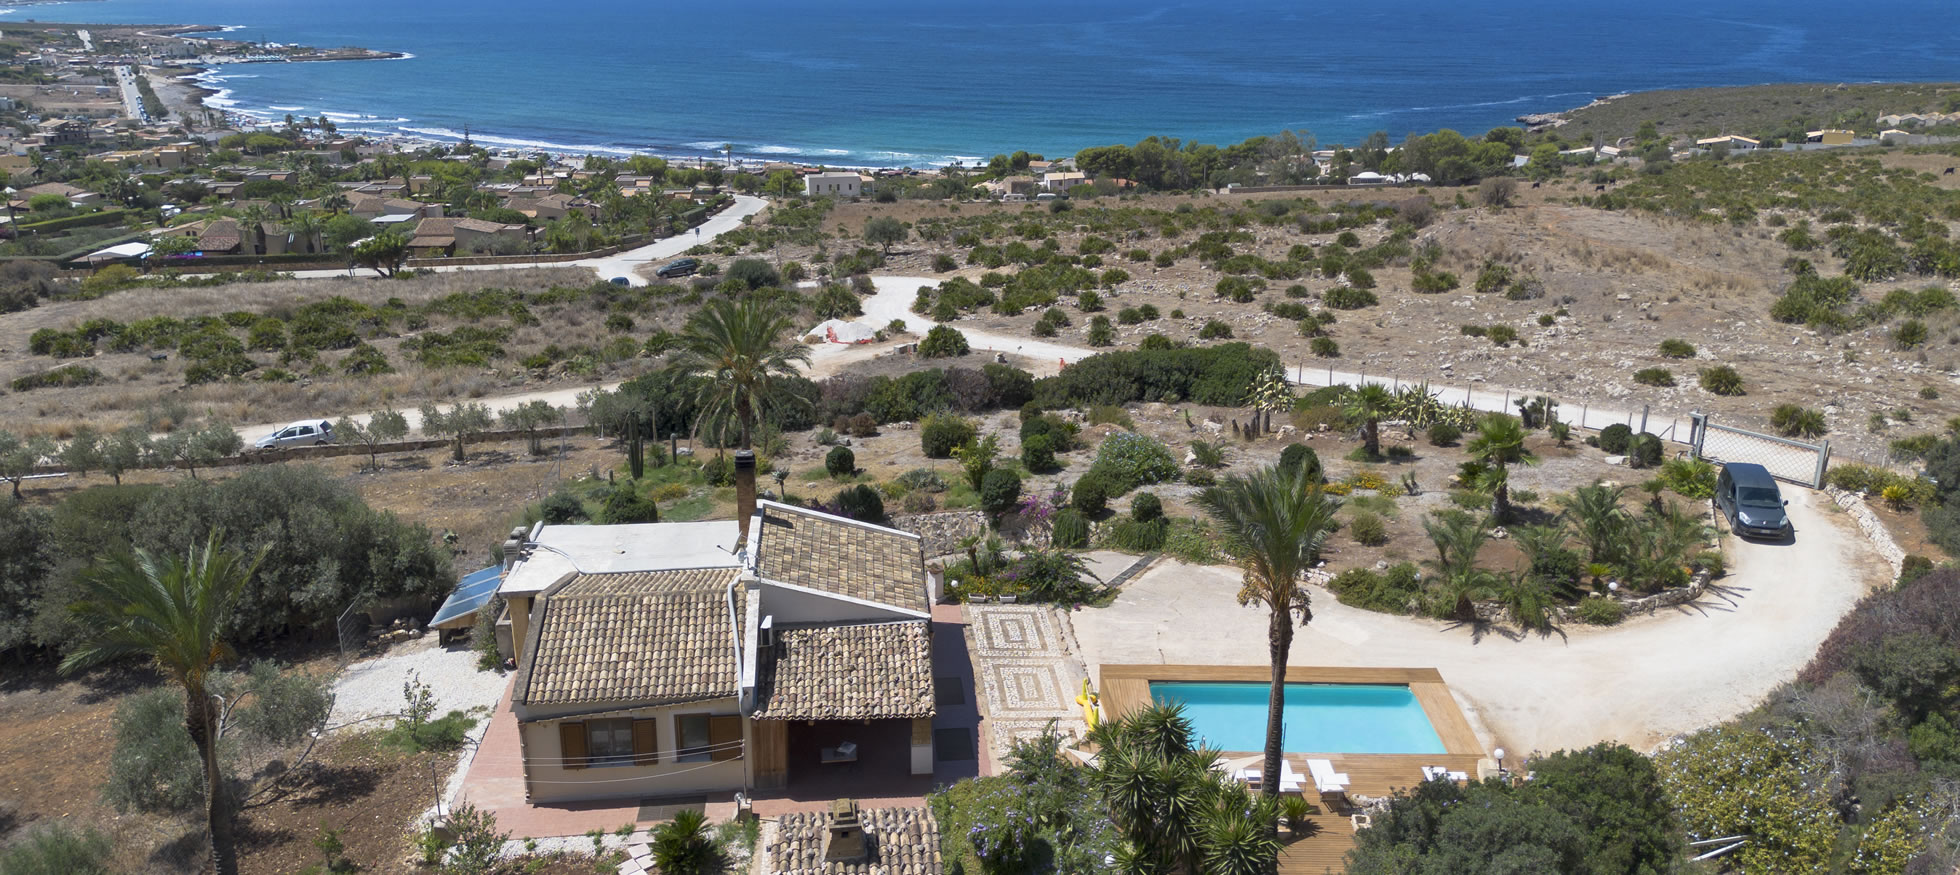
column 835, row 183
column 710, row 657
column 1734, row 143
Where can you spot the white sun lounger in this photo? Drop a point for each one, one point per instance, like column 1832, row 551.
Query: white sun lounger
column 1289, row 780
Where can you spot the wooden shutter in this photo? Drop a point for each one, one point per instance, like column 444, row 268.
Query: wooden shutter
column 571, row 744
column 725, row 736
column 646, row 743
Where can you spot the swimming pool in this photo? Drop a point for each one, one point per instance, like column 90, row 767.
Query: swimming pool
column 1319, row 718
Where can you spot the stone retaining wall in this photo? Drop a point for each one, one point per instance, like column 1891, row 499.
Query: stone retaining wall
column 1875, row 531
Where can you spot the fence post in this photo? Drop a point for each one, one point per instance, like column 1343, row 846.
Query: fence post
column 1643, row 417
column 1507, row 401
column 1583, row 408
column 1823, row 460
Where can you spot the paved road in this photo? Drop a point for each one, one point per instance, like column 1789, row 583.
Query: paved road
column 131, row 98
column 1639, row 683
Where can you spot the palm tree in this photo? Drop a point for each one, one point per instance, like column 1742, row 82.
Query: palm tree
column 174, row 611
column 739, row 349
column 1369, row 403
column 1597, row 520
column 1458, row 538
column 1499, row 444
column 1278, row 523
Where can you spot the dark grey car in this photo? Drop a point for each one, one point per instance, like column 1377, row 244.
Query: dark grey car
column 1747, row 496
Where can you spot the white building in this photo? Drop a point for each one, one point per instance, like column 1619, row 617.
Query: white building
column 834, row 183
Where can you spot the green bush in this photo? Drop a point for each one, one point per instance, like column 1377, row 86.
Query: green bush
column 1689, row 478
column 561, row 508
column 1643, row 450
column 1601, row 612
column 1127, row 460
column 56, row 848
column 943, row 341
column 1913, row 568
column 1368, row 530
column 1059, row 432
column 1200, row 478
column 1349, row 298
column 861, row 502
column 1071, row 529
column 941, row 433
column 1038, row 453
column 1139, row 536
column 1297, row 455
column 1090, row 494
column 1324, row 347
column 1722, row 380
column 1677, row 349
column 1443, row 434
column 1793, row 420
column 1398, row 590
column 1614, row 438
column 64, row 377
column 1212, row 375
column 1000, row 491
column 1146, row 506
column 840, row 462
column 1214, row 330
column 718, row 470
column 1661, row 377
column 1502, row 335
column 624, row 504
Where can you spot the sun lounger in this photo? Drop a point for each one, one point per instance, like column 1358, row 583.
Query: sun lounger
column 1459, row 777
column 1431, row 773
column 1289, row 780
column 1331, row 784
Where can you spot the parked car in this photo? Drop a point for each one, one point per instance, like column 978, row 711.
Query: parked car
column 620, row 281
column 1747, row 496
column 683, row 267
column 305, row 433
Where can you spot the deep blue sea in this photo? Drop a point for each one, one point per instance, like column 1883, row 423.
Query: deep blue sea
column 877, row 82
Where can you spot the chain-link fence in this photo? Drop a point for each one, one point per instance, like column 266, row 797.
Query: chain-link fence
column 1795, row 461
column 352, row 627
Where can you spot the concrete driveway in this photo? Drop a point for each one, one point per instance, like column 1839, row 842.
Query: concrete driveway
column 1638, row 683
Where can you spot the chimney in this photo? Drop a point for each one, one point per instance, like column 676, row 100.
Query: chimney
column 846, row 843
column 744, row 494
column 514, row 547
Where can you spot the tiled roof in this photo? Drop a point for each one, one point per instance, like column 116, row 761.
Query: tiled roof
column 864, row 672
column 900, row 841
column 831, row 554
column 648, row 636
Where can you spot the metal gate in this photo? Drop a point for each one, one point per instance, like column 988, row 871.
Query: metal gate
column 352, row 627
column 1795, row 461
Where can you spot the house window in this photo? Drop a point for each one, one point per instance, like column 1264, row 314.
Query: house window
column 609, row 742
column 694, row 735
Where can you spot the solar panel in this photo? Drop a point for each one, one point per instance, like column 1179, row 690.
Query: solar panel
column 472, row 593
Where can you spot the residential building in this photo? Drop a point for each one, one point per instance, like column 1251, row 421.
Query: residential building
column 1734, row 143
column 57, row 132
column 671, row 658
column 439, row 237
column 1060, row 182
column 1830, row 137
column 222, row 237
column 834, row 183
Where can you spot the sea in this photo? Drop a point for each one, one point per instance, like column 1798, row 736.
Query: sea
column 932, row 82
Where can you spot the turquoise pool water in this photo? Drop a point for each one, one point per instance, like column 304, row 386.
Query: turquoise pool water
column 1319, row 718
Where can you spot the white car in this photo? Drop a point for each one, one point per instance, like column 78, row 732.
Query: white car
column 305, row 433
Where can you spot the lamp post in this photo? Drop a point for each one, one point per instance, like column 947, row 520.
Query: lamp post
column 1499, row 753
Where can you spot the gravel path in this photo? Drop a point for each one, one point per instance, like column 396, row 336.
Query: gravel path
column 373, row 688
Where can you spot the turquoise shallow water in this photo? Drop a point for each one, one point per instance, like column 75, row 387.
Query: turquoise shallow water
column 1319, row 718
column 880, row 82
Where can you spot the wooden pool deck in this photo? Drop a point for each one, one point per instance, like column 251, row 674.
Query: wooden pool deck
column 1126, row 687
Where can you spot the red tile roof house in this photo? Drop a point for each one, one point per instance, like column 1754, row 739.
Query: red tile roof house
column 668, row 659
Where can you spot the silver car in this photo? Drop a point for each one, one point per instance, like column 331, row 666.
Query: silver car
column 305, row 433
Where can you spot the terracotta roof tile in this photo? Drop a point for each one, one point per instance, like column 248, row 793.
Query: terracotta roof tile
column 901, row 841
column 863, row 672
column 830, row 554
column 660, row 636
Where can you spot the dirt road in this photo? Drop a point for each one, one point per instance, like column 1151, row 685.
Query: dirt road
column 1638, row 683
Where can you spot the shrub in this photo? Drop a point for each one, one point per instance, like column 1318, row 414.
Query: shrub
column 1038, row 453
column 1110, row 414
column 1613, row 439
column 1325, row 347
column 1138, row 536
column 941, row 433
column 840, row 462
column 66, row 376
column 1913, row 568
column 1397, row 590
column 1071, row 529
column 1677, row 349
column 1349, row 298
column 861, row 502
column 1443, row 434
column 1100, row 332
column 1200, row 478
column 1643, row 450
column 1909, row 334
column 1661, row 377
column 1690, row 478
column 1502, row 335
column 1128, row 460
column 1793, row 420
column 1000, row 491
column 625, row 504
column 1214, row 329
column 1146, row 506
column 1368, row 530
column 1601, row 612
column 1722, row 380
column 943, row 341
column 1090, row 494
column 561, row 508
column 56, row 848
column 1296, row 456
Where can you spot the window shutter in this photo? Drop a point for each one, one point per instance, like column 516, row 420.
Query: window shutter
column 725, row 735
column 571, row 744
column 646, row 744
